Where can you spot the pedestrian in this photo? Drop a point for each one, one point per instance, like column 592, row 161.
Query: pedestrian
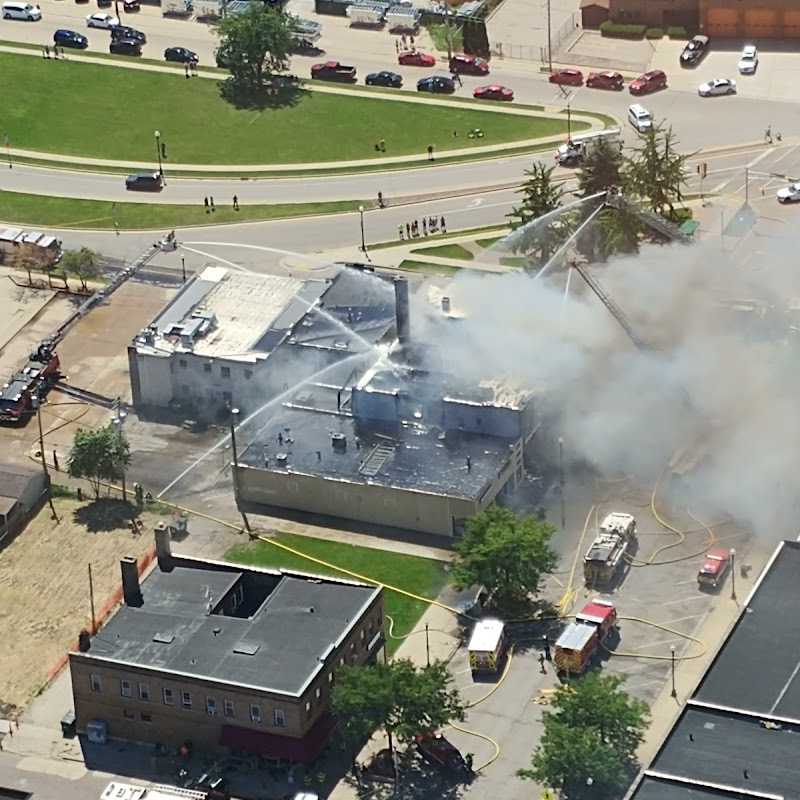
column 541, row 663
column 55, row 461
column 46, row 51
column 186, row 70
column 411, row 41
column 457, row 79
column 211, row 203
column 455, row 134
column 116, row 227
column 397, row 45
column 400, row 231
column 194, row 67
column 383, row 145
column 205, row 203
column 424, row 226
column 408, row 230
column 469, row 761
column 778, row 136
column 403, row 41
column 380, row 200
column 235, row 203
column 546, row 644
column 768, row 134
column 430, row 152
column 43, row 49
column 55, row 51
column 444, row 225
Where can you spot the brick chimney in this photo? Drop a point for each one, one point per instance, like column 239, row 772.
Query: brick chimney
column 131, row 591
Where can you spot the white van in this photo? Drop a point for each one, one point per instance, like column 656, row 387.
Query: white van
column 22, row 11
column 640, row 118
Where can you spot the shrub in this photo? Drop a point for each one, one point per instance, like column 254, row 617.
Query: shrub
column 681, row 215
column 619, row 30
column 676, row 32
column 654, row 33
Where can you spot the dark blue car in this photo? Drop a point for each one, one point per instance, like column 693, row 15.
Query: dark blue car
column 384, row 78
column 437, row 84
column 65, row 38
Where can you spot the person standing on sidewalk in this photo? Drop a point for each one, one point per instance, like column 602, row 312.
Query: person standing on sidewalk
column 443, row 224
column 235, row 203
column 205, row 203
column 400, row 231
column 211, row 203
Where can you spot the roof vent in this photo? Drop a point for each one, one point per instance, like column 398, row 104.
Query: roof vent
column 340, row 344
column 339, row 442
column 246, row 649
column 163, row 638
column 281, row 459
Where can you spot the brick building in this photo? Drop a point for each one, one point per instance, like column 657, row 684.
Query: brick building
column 232, row 658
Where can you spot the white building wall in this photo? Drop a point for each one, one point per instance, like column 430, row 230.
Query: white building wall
column 155, row 379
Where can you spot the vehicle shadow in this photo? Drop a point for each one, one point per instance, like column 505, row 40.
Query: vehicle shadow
column 278, row 91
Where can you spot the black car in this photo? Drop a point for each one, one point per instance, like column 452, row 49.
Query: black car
column 694, row 51
column 384, row 78
column 105, row 3
column 125, row 47
column 65, row 38
column 180, row 54
column 436, row 84
column 144, row 182
column 131, row 6
column 124, row 32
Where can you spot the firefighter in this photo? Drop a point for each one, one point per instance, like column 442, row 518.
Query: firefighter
column 546, row 645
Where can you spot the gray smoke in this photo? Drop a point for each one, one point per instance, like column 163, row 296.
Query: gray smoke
column 718, row 385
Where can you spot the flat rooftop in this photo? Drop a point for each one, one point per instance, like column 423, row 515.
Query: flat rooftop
column 414, row 459
column 293, row 620
column 739, row 735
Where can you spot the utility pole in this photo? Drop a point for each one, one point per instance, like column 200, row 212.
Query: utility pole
column 549, row 37
column 447, row 34
column 672, row 654
column 38, row 405
column 733, row 574
column 235, row 453
column 93, row 624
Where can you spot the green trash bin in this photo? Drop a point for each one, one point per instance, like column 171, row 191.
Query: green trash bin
column 69, row 725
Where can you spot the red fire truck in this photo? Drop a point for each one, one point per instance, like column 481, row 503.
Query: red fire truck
column 579, row 643
column 714, row 569
column 34, row 380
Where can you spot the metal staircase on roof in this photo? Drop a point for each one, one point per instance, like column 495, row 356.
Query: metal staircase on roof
column 374, row 462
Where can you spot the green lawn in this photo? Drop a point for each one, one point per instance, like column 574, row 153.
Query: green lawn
column 92, row 110
column 423, row 266
column 420, row 576
column 64, row 212
column 454, row 251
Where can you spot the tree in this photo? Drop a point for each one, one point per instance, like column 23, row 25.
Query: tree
column 601, row 168
column 29, row 257
column 505, row 553
column 656, row 172
column 99, row 455
column 541, row 199
column 254, row 45
column 398, row 697
column 83, row 262
column 588, row 748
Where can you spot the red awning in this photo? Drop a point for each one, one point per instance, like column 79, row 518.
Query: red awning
column 302, row 751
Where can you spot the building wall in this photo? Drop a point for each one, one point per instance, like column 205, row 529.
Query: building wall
column 655, row 13
column 752, row 18
column 146, row 717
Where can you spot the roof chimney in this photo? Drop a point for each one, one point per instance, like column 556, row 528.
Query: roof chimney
column 402, row 311
column 446, row 305
column 131, row 591
column 164, row 547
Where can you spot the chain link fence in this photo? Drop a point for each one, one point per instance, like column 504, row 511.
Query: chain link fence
column 527, row 52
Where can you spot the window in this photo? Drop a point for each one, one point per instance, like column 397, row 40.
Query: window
column 182, row 363
column 238, row 597
column 128, row 714
column 146, row 717
column 362, row 635
column 227, row 398
column 125, row 689
column 255, row 713
column 226, row 372
column 248, row 373
column 95, row 683
column 207, row 367
column 186, row 699
column 144, row 692
column 230, row 709
column 211, row 706
column 318, row 693
column 280, row 717
column 330, row 677
column 308, row 709
column 168, row 698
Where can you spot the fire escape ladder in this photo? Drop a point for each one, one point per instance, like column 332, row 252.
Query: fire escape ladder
column 376, row 459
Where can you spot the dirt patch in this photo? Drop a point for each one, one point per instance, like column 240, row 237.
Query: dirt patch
column 44, row 587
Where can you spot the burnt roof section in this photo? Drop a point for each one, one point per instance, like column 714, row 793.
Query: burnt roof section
column 739, row 734
column 278, row 640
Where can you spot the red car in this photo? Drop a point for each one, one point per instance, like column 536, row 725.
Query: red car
column 413, row 58
column 649, row 82
column 468, row 65
column 493, row 92
column 566, row 77
column 605, row 80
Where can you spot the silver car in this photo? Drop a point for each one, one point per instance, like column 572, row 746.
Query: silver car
column 791, row 194
column 748, row 61
column 717, row 87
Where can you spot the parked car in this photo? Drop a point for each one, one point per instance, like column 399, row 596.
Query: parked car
column 693, row 53
column 23, row 11
column 414, row 58
column 180, row 54
column 566, row 77
column 105, row 3
column 436, row 84
column 717, row 87
column 748, row 61
column 791, row 194
column 384, row 78
column 464, row 64
column 124, row 32
column 333, row 71
column 493, row 92
column 125, row 47
column 130, row 6
column 106, row 21
column 65, row 38
column 144, row 181
column 649, row 82
column 609, row 79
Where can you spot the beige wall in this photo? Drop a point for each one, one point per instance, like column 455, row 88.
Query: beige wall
column 152, row 720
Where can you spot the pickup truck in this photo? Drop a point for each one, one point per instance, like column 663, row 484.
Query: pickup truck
column 333, row 71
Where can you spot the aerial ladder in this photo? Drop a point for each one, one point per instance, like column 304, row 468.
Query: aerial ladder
column 655, row 221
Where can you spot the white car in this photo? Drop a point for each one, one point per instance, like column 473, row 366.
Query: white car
column 791, row 194
column 102, row 21
column 748, row 61
column 718, row 86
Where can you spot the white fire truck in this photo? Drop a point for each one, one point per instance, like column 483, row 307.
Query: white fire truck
column 606, row 554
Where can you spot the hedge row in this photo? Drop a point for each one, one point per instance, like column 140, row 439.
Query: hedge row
column 618, row 30
column 677, row 32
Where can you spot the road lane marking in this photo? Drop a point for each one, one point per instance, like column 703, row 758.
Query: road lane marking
column 685, row 599
column 785, row 688
column 679, row 619
column 659, row 643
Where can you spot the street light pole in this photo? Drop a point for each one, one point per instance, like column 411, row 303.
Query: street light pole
column 363, row 247
column 117, row 422
column 569, row 122
column 183, row 268
column 158, row 153
column 672, row 654
column 427, row 645
column 561, row 459
column 733, row 574
column 549, row 37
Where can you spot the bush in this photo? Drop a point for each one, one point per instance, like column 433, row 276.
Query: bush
column 681, row 215
column 654, row 33
column 677, row 32
column 618, row 30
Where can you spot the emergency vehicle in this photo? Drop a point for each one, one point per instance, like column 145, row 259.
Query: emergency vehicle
column 606, row 553
column 579, row 643
column 714, row 569
column 487, row 647
column 571, row 153
column 41, row 371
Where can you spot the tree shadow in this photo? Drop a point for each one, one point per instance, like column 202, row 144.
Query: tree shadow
column 279, row 91
column 106, row 514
